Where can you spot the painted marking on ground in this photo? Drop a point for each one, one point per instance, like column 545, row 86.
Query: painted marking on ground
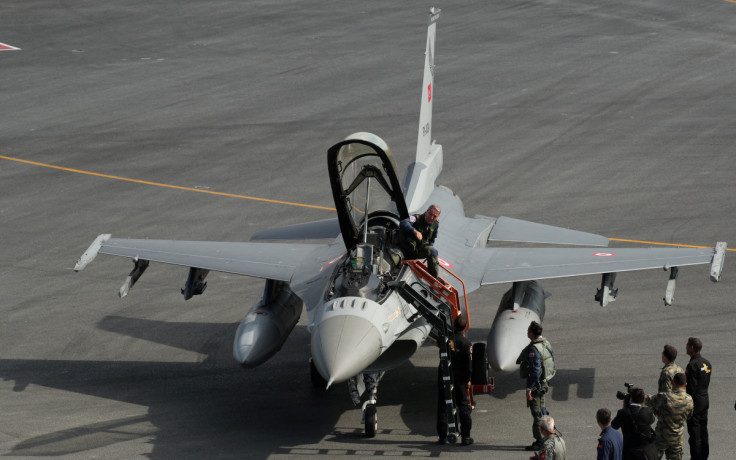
column 230, row 195
column 177, row 187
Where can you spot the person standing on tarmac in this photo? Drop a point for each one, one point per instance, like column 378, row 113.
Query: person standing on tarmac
column 462, row 371
column 673, row 409
column 669, row 354
column 553, row 446
column 697, row 373
column 635, row 422
column 610, row 442
column 537, row 365
column 416, row 238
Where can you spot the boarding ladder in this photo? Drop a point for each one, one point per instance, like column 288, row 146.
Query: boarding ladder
column 439, row 304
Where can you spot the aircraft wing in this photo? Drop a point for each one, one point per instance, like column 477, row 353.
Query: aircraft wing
column 504, row 265
column 275, row 261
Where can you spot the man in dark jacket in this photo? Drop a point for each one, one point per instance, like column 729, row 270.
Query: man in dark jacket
column 635, row 421
column 610, row 442
column 462, row 370
column 416, row 237
column 697, row 373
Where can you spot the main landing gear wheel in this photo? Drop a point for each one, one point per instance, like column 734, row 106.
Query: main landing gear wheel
column 371, row 421
column 452, row 438
column 480, row 364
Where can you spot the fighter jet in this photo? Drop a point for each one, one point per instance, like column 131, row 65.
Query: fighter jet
column 359, row 320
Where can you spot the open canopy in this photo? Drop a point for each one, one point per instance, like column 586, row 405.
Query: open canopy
column 363, row 178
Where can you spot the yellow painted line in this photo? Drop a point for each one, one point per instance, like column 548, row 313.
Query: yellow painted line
column 665, row 244
column 176, row 187
column 190, row 189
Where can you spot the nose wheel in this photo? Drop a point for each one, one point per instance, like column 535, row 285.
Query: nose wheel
column 370, row 415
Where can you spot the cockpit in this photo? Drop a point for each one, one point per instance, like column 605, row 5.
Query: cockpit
column 370, row 205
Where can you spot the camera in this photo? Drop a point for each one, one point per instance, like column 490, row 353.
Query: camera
column 625, row 396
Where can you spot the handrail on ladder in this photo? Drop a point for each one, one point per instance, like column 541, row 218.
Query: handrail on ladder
column 441, row 288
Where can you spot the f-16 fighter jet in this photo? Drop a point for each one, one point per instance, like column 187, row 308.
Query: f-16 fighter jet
column 357, row 289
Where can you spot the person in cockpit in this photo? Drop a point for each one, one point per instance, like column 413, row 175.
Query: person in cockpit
column 416, row 237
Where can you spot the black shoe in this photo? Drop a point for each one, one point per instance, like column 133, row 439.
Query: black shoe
column 467, row 441
column 442, row 441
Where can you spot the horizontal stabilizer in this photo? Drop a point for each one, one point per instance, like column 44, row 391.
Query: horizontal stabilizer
column 508, row 229
column 328, row 228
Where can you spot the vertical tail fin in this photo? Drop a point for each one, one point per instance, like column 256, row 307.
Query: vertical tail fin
column 424, row 135
column 419, row 179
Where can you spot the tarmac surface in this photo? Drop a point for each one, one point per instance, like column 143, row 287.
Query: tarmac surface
column 614, row 118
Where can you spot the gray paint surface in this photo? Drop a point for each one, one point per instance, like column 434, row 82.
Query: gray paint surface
column 611, row 119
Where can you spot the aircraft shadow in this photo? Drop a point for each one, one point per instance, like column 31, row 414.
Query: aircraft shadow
column 214, row 407
column 582, row 380
column 209, row 409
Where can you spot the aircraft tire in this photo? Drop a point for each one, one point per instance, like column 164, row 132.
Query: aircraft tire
column 480, row 364
column 371, row 421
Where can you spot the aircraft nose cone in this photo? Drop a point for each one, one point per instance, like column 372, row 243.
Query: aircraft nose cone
column 344, row 345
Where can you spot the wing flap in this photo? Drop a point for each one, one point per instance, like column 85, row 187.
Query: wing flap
column 521, row 264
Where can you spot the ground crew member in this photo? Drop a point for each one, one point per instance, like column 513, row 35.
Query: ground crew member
column 697, row 373
column 416, row 237
column 674, row 408
column 669, row 370
column 635, row 422
column 537, row 363
column 610, row 441
column 462, row 371
column 553, row 446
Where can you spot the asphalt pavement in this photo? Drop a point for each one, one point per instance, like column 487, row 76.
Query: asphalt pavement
column 210, row 120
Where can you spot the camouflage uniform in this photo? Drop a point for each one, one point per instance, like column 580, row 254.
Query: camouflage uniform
column 665, row 377
column 674, row 409
column 553, row 448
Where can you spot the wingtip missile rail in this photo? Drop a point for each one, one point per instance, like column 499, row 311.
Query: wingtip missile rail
column 91, row 252
column 716, row 267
